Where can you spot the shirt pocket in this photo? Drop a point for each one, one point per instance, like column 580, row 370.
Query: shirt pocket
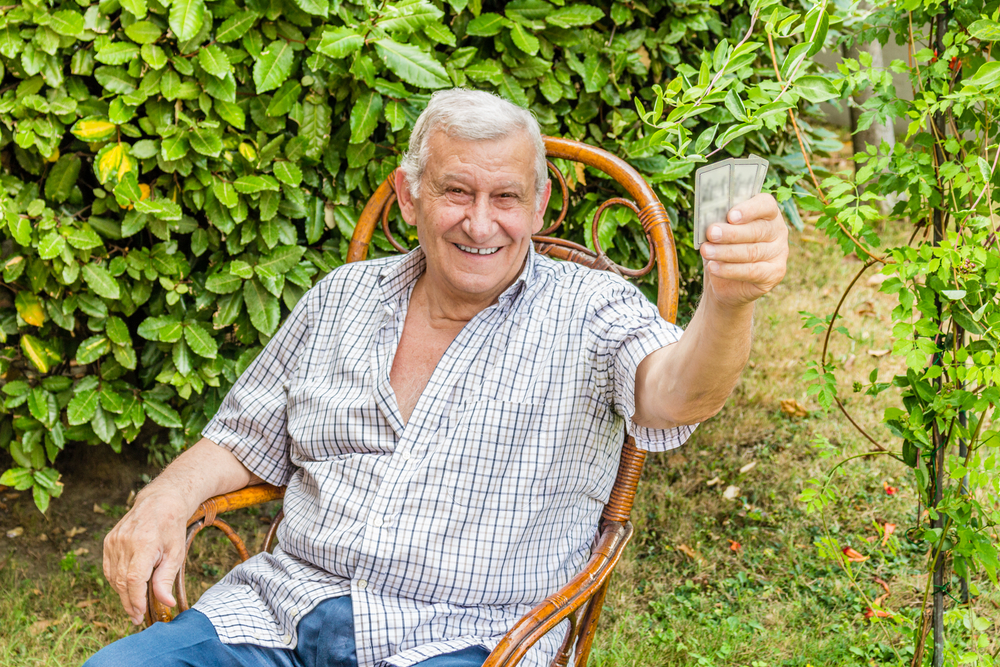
column 492, row 453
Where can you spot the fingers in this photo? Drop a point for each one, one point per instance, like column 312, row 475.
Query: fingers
column 139, row 552
column 755, row 221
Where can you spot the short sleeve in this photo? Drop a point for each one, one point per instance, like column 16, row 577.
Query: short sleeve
column 629, row 328
column 252, row 421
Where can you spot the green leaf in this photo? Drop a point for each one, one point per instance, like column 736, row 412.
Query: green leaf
column 81, row 407
column 284, row 99
column 487, row 24
column 92, row 349
column 50, row 246
column 111, row 400
column 485, row 70
column 223, row 282
column 816, row 88
column 136, row 7
column 985, row 30
column 394, row 115
column 174, row 148
column 364, row 116
column 161, row 413
column 523, row 39
column 986, row 77
column 38, row 353
column 340, row 42
column 186, row 18
column 205, row 141
column 214, row 61
column 273, row 66
column 62, row 178
column 236, row 26
column 67, row 22
column 281, row 259
column 41, row 498
column 253, row 183
column 199, row 338
column 143, row 32
column 84, row 237
column 262, row 306
column 225, row 192
column 19, row 478
column 117, row 331
column 117, row 53
column 412, row 65
column 42, row 406
column 407, row 17
column 314, row 7
column 100, row 281
column 574, row 16
column 288, row 173
column 103, row 424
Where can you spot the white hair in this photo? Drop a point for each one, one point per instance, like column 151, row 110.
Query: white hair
column 471, row 115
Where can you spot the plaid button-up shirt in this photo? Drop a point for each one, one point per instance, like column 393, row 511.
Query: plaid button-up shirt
column 446, row 529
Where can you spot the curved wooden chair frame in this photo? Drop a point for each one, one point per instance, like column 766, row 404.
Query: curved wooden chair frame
column 581, row 599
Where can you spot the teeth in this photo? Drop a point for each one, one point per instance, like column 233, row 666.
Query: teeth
column 477, row 251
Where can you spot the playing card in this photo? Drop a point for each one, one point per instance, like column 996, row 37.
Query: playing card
column 711, row 197
column 720, row 186
column 744, row 181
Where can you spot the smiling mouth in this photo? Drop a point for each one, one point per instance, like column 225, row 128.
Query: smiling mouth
column 477, row 251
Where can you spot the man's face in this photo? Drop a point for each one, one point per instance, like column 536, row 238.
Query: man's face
column 475, row 214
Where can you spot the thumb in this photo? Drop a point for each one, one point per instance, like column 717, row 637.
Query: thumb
column 163, row 578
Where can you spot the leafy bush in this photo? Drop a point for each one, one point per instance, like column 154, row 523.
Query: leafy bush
column 177, row 173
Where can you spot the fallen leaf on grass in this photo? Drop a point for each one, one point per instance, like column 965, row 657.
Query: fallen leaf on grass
column 731, row 492
column 866, row 309
column 98, row 624
column 880, row 613
column 73, row 532
column 748, row 467
column 881, row 583
column 39, row 626
column 98, row 509
column 735, row 546
column 888, row 529
column 792, row 408
column 878, row 353
column 82, row 551
column 889, row 490
column 83, row 604
column 43, row 537
column 691, row 553
column 712, row 482
column 853, row 556
column 15, row 532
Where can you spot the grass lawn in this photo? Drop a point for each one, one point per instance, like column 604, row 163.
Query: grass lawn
column 724, row 568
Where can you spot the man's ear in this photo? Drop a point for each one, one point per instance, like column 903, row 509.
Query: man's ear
column 543, row 203
column 403, row 197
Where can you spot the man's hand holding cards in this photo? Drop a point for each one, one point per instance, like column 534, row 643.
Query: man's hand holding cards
column 740, row 233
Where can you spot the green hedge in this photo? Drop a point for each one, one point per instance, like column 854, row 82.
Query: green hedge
column 176, row 175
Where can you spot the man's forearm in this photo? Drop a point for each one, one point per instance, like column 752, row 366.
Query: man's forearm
column 202, row 471
column 689, row 381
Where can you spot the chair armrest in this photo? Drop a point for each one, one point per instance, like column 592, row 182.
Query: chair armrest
column 563, row 604
column 206, row 515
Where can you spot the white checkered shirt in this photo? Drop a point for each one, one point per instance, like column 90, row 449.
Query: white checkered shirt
column 448, row 528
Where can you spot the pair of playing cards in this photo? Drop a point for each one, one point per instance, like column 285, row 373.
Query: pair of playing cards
column 719, row 187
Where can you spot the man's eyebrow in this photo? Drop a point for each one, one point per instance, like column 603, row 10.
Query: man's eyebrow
column 462, row 178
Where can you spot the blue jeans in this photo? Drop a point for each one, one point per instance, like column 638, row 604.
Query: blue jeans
column 326, row 639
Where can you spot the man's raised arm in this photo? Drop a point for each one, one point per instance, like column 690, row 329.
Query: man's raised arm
column 689, row 381
column 149, row 539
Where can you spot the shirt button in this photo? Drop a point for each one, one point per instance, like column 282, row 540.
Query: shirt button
column 287, row 639
column 405, row 456
column 376, row 521
column 362, row 584
column 293, row 612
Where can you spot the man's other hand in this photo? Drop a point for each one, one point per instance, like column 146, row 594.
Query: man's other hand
column 746, row 258
column 147, row 544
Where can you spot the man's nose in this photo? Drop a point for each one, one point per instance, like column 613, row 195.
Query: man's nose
column 479, row 222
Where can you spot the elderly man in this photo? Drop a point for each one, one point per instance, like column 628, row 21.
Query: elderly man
column 448, row 423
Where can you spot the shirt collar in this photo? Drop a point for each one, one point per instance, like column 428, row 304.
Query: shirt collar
column 397, row 277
